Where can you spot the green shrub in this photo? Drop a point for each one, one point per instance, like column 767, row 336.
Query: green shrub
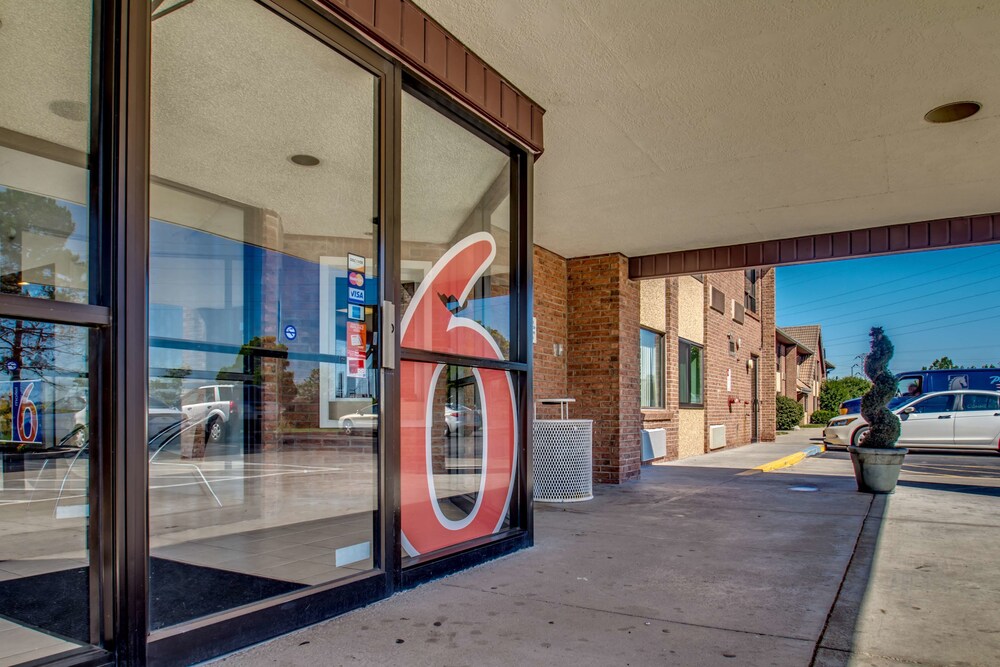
column 822, row 416
column 837, row 390
column 789, row 413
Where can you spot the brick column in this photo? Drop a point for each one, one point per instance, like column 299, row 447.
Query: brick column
column 768, row 355
column 603, row 361
column 791, row 371
column 552, row 346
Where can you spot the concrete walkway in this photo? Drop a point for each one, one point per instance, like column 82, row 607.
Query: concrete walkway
column 699, row 563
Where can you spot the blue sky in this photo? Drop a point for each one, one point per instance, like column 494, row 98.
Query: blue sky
column 932, row 304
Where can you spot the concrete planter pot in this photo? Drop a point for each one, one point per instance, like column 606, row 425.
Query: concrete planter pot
column 877, row 470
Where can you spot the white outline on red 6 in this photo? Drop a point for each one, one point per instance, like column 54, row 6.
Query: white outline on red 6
column 429, row 325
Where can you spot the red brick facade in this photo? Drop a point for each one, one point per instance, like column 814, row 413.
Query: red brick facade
column 590, row 307
column 551, row 307
column 735, row 354
column 602, row 368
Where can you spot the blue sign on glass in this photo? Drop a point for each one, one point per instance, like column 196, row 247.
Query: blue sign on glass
column 355, row 312
column 356, row 294
column 10, row 365
column 290, row 332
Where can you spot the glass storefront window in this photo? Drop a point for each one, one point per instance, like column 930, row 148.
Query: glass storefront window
column 44, row 144
column 44, row 490
column 262, row 317
column 455, row 185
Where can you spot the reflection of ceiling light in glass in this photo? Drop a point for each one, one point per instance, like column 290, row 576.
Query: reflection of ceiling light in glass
column 305, row 160
column 23, row 283
column 69, row 109
column 951, row 112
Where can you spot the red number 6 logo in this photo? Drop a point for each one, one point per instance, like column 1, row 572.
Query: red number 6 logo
column 429, row 325
column 27, row 416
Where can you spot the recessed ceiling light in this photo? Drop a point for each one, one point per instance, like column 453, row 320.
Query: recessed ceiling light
column 69, row 109
column 305, row 160
column 953, row 111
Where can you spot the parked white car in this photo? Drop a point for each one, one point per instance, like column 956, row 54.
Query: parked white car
column 213, row 405
column 364, row 419
column 944, row 419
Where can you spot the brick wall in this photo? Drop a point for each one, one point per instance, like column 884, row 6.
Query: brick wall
column 728, row 377
column 662, row 293
column 603, row 361
column 550, row 315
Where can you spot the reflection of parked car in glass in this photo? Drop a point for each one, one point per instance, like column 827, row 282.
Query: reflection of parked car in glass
column 162, row 422
column 213, row 405
column 947, row 419
column 460, row 419
column 365, row 418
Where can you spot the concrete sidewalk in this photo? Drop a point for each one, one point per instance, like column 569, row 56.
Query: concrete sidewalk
column 696, row 564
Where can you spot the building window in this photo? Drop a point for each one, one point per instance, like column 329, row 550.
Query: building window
column 690, row 372
column 750, row 289
column 651, row 368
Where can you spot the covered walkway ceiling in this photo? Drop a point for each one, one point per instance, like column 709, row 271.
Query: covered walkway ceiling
column 679, row 124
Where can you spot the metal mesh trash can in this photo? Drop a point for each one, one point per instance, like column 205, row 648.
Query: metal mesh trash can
column 562, row 460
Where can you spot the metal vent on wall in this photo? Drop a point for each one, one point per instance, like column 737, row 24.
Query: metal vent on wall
column 717, row 436
column 718, row 300
column 738, row 312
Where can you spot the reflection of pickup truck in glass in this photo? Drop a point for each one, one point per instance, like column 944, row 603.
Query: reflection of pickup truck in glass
column 215, row 406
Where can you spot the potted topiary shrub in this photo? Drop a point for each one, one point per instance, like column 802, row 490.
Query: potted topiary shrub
column 877, row 460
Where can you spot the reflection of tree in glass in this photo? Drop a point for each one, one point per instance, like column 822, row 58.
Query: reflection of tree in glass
column 22, row 216
column 259, row 354
column 167, row 387
column 51, row 354
column 501, row 340
column 6, row 419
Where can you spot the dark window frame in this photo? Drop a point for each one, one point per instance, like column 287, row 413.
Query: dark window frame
column 683, row 372
column 751, row 278
column 659, row 373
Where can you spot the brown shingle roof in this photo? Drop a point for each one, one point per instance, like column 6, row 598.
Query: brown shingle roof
column 809, row 335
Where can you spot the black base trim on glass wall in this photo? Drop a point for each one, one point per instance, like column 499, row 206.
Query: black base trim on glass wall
column 56, row 602
column 463, row 559
column 217, row 635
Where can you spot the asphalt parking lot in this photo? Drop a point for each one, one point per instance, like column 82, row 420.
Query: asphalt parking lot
column 946, row 468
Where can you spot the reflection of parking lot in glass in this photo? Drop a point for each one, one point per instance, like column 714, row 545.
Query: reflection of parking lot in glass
column 270, row 513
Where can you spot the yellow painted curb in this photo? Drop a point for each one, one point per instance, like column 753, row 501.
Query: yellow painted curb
column 791, row 459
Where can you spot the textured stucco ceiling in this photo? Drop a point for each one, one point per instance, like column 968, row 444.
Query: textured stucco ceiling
column 675, row 124
column 235, row 92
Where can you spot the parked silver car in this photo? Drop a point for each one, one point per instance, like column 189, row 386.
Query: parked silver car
column 944, row 419
column 213, row 405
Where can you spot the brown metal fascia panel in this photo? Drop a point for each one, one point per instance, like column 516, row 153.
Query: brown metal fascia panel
column 407, row 33
column 910, row 237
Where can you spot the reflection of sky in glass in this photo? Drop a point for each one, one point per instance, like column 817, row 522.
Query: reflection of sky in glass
column 492, row 312
column 76, row 243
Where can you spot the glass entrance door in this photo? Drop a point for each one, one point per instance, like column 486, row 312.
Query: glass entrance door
column 264, row 386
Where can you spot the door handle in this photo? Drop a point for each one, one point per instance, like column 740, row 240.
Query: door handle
column 944, row 416
column 388, row 335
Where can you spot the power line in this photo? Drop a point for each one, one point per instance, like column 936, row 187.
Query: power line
column 854, row 297
column 897, row 333
column 919, row 297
